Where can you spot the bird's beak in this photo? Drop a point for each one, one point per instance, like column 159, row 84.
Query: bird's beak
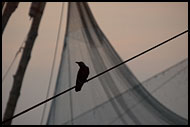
column 77, row 62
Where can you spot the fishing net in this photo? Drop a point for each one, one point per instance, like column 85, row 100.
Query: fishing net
column 116, row 97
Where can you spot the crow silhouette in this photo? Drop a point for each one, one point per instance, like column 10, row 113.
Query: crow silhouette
column 81, row 76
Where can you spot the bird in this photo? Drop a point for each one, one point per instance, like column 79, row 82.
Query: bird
column 82, row 76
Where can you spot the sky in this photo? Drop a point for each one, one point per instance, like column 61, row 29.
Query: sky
column 130, row 27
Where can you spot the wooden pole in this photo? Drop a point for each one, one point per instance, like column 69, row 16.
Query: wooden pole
column 18, row 77
column 9, row 9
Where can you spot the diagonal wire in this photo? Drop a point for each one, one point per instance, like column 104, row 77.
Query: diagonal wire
column 54, row 59
column 20, row 49
column 164, row 42
column 132, row 89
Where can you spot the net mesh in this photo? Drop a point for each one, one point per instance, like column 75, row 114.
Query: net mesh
column 116, row 97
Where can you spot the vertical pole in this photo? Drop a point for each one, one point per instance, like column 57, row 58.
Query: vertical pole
column 18, row 77
column 9, row 9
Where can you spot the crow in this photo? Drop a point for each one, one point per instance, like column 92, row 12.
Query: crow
column 81, row 76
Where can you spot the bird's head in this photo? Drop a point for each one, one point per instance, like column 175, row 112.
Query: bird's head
column 80, row 64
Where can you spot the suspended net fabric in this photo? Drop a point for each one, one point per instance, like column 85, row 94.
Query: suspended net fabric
column 170, row 87
column 115, row 97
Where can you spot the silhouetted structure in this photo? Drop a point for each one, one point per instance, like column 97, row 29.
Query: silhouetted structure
column 9, row 9
column 18, row 77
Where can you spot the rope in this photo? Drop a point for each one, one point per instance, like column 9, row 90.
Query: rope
column 96, row 76
column 20, row 49
column 53, row 65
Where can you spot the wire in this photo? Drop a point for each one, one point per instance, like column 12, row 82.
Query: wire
column 54, row 59
column 138, row 55
column 96, row 76
column 20, row 49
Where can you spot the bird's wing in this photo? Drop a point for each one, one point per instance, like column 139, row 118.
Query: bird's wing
column 86, row 73
column 83, row 74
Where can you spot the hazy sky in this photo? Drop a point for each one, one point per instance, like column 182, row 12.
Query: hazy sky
column 130, row 27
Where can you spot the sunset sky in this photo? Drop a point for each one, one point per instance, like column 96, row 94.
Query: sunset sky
column 130, row 27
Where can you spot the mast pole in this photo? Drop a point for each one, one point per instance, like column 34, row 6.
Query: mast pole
column 9, row 9
column 18, row 77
